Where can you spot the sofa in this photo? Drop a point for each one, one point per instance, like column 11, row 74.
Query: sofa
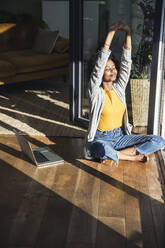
column 21, row 59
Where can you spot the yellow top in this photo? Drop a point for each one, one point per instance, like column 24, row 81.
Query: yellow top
column 112, row 113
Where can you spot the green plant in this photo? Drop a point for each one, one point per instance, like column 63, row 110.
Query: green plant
column 141, row 73
column 141, row 62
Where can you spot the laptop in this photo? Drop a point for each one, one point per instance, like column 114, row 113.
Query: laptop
column 42, row 156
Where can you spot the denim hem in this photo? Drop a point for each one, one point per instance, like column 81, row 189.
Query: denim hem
column 141, row 151
column 114, row 159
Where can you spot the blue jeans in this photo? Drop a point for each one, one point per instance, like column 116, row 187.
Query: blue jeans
column 106, row 144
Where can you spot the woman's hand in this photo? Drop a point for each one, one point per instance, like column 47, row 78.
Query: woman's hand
column 123, row 27
column 120, row 26
column 110, row 35
column 114, row 27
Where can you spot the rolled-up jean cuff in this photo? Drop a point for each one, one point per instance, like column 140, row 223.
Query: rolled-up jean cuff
column 154, row 144
column 102, row 150
column 115, row 158
column 141, row 151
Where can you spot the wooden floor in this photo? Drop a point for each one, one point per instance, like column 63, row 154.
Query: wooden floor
column 78, row 204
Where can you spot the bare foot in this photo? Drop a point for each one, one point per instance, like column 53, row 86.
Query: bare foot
column 141, row 158
column 108, row 164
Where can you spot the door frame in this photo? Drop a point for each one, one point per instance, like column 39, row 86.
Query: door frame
column 156, row 81
column 76, row 61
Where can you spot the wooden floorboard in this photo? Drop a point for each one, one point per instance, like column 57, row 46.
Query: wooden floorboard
column 55, row 224
column 78, row 204
column 83, row 223
column 156, row 189
column 138, row 210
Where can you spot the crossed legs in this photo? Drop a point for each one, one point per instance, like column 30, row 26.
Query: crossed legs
column 130, row 154
column 139, row 147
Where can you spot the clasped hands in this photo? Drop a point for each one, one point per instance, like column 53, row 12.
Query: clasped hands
column 120, row 26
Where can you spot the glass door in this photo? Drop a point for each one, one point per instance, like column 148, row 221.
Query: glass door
column 93, row 20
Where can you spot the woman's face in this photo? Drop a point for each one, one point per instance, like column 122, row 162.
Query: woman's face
column 110, row 72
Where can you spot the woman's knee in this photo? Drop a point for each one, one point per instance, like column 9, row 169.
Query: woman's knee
column 103, row 150
column 97, row 150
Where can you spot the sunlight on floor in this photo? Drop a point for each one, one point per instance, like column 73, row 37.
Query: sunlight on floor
column 57, row 102
column 15, row 123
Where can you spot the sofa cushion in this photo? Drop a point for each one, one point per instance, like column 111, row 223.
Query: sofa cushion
column 6, row 69
column 29, row 61
column 18, row 36
column 62, row 45
column 45, row 41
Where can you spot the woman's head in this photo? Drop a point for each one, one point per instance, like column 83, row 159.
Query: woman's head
column 110, row 71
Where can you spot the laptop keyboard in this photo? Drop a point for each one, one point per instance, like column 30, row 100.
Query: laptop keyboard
column 40, row 158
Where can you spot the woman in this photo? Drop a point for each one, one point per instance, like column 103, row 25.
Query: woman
column 109, row 135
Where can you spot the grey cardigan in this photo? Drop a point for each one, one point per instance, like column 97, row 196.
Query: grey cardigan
column 96, row 93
